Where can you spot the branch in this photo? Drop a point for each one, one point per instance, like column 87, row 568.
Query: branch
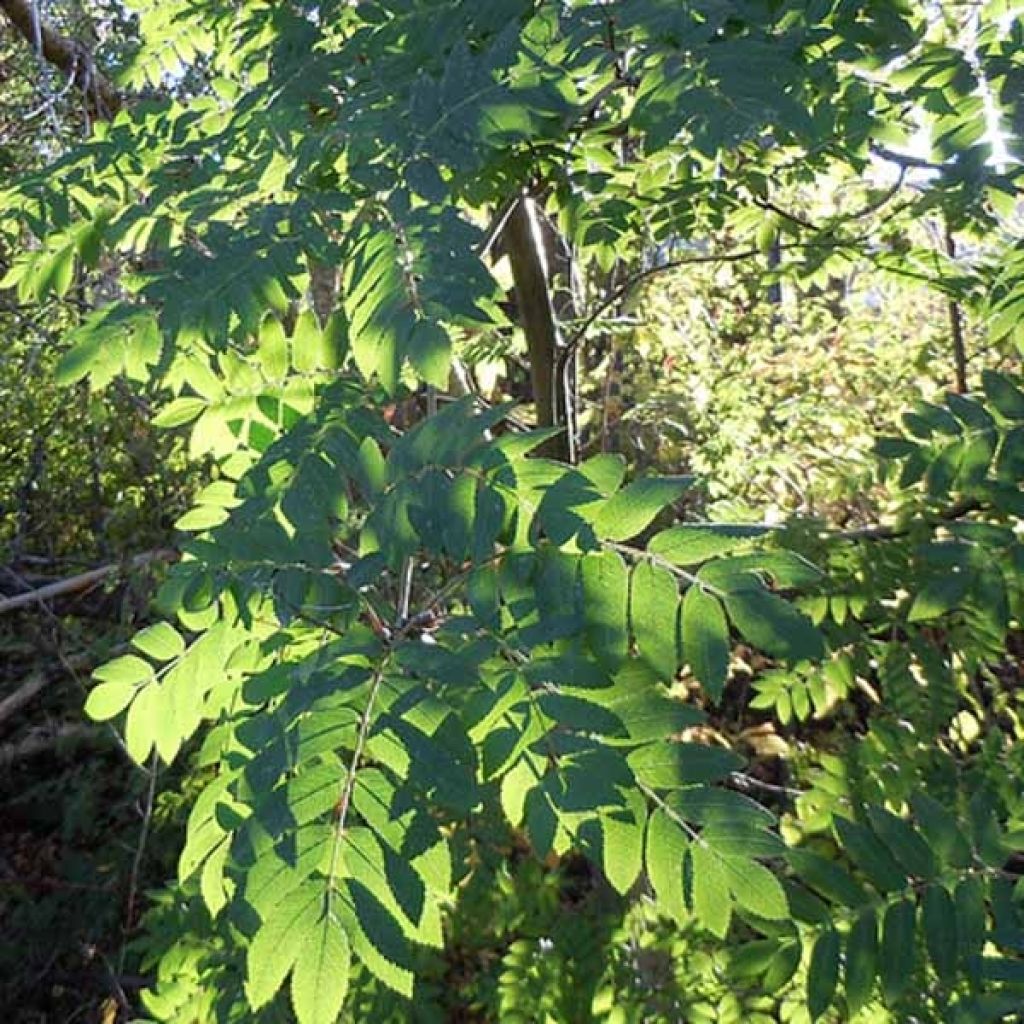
column 69, row 55
column 36, row 683
column 23, row 695
column 949, row 515
column 85, row 580
column 904, row 160
column 767, row 204
column 12, row 753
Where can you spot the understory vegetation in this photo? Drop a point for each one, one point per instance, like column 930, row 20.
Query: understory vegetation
column 512, row 511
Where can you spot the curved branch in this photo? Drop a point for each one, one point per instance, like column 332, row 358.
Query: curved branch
column 69, row 55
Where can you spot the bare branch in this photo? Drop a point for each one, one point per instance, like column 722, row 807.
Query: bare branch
column 45, row 742
column 83, row 581
column 35, row 684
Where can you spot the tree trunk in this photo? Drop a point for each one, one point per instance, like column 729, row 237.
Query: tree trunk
column 522, row 242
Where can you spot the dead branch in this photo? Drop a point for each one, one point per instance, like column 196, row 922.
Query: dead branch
column 85, row 580
column 39, row 681
column 23, row 695
column 45, row 742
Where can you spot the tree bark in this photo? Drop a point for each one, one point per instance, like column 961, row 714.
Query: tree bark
column 537, row 317
column 70, row 56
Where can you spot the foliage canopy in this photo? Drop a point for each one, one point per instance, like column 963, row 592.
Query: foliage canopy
column 398, row 610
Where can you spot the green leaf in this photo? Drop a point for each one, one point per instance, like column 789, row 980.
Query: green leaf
column 622, row 842
column 904, row 842
column 320, row 975
column 1007, row 398
column 745, row 572
column 631, row 510
column 894, row 447
column 674, row 765
column 203, row 517
column 128, row 669
column 272, row 350
column 689, row 545
column 861, row 961
column 870, row 856
column 756, row 888
column 430, row 352
column 774, row 626
column 276, row 945
column 783, row 966
column 971, row 917
column 109, row 699
column 897, row 953
column 823, row 973
column 162, row 642
column 705, row 639
column 116, row 339
column 654, row 612
column 938, row 915
column 940, row 827
column 145, row 722
column 720, row 808
column 373, row 473
column 606, row 606
column 665, row 857
column 938, row 597
column 969, row 411
column 179, row 411
column 709, row 889
column 827, row 877
column 605, row 471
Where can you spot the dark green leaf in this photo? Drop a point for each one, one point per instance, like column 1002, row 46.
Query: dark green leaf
column 861, row 960
column 904, row 842
column 823, row 973
column 941, row 830
column 666, row 848
column 827, row 877
column 938, row 597
column 606, row 605
column 774, row 626
column 868, row 853
column 897, row 952
column 1007, row 398
column 938, row 915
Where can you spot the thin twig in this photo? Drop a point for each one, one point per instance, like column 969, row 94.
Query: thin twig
column 951, row 514
column 140, row 849
column 956, row 322
column 405, row 592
